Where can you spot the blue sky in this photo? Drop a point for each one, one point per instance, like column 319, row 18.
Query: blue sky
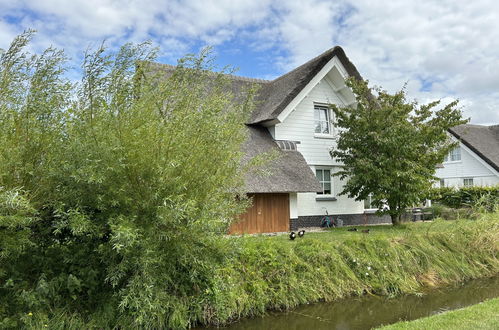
column 443, row 49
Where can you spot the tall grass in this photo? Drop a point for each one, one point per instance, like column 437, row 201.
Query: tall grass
column 272, row 273
column 262, row 273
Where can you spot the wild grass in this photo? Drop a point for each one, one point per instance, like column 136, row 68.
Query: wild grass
column 482, row 316
column 260, row 273
column 275, row 273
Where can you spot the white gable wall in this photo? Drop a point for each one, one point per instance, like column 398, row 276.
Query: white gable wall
column 470, row 166
column 299, row 126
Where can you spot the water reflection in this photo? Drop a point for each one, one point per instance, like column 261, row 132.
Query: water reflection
column 372, row 311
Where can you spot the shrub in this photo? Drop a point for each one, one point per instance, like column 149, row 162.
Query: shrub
column 132, row 176
column 486, row 198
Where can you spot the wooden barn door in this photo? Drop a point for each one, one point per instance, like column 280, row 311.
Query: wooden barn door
column 269, row 213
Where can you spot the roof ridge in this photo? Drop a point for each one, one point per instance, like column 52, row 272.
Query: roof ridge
column 230, row 75
column 249, row 79
column 330, row 50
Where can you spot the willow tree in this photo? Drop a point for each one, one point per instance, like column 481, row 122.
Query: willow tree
column 118, row 187
column 390, row 146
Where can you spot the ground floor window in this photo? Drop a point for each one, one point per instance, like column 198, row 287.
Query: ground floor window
column 368, row 203
column 324, row 178
column 468, row 182
column 442, row 183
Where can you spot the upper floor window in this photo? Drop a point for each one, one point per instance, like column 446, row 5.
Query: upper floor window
column 324, row 177
column 454, row 155
column 322, row 119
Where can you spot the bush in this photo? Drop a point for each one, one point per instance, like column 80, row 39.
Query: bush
column 486, row 198
column 448, row 213
column 132, row 177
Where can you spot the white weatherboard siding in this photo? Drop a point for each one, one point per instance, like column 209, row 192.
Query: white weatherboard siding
column 308, row 205
column 299, row 125
column 470, row 166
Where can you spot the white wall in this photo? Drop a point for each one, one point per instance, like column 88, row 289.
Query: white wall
column 470, row 166
column 308, row 205
column 293, row 205
column 300, row 126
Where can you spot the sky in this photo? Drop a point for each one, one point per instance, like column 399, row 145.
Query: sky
column 442, row 49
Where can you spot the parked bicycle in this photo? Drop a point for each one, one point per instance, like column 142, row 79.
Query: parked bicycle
column 328, row 221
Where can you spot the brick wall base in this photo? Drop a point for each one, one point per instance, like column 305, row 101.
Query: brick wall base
column 348, row 220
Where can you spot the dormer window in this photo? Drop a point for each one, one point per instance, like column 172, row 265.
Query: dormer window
column 322, row 119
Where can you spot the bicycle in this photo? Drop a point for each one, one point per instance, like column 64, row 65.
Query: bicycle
column 328, row 221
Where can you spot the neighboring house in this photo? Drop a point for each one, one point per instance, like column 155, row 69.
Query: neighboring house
column 292, row 118
column 475, row 162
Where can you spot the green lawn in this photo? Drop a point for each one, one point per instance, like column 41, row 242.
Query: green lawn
column 375, row 231
column 482, row 316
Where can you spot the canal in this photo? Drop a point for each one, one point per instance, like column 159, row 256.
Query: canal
column 372, row 311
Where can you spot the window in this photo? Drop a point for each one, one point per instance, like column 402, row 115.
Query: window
column 368, row 203
column 454, row 155
column 322, row 119
column 468, row 182
column 324, row 177
column 442, row 183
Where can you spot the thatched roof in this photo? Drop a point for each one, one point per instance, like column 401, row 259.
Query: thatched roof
column 278, row 93
column 482, row 140
column 274, row 95
column 288, row 172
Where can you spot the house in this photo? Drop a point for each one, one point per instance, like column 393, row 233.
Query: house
column 292, row 118
column 475, row 161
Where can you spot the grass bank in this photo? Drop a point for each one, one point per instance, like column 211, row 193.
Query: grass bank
column 483, row 316
column 275, row 273
column 258, row 273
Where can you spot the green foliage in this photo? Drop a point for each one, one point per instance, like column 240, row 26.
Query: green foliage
column 114, row 191
column 390, row 147
column 447, row 213
column 486, row 198
column 275, row 273
column 261, row 273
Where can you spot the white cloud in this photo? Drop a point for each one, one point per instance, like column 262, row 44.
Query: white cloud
column 453, row 43
column 443, row 49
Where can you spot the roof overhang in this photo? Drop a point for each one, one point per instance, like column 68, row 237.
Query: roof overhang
column 337, row 74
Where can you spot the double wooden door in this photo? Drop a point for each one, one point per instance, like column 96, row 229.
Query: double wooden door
column 268, row 213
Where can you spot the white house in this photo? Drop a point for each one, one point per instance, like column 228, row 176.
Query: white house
column 292, row 118
column 475, row 162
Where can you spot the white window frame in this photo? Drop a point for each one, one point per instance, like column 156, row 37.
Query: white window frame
column 324, row 181
column 467, row 181
column 369, row 200
column 453, row 156
column 328, row 121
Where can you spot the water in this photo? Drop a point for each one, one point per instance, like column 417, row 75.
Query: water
column 372, row 311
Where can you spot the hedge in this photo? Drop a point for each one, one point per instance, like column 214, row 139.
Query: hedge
column 466, row 196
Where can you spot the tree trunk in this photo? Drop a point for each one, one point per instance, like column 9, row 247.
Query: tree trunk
column 395, row 219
